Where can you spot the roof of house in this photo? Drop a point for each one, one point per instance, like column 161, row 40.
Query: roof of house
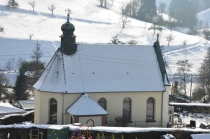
column 6, row 108
column 85, row 105
column 103, row 68
column 27, row 104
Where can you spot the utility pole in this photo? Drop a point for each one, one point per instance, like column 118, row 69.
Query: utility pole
column 191, row 89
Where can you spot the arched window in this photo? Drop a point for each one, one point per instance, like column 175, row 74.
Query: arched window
column 102, row 103
column 53, row 110
column 150, row 109
column 127, row 109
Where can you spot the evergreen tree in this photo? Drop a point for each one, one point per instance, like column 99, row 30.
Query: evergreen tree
column 177, row 10
column 21, row 86
column 13, row 4
column 147, row 11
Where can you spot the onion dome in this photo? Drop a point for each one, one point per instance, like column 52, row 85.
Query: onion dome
column 68, row 28
column 68, row 41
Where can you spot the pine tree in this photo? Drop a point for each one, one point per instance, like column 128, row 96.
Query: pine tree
column 13, row 4
column 21, row 86
column 147, row 10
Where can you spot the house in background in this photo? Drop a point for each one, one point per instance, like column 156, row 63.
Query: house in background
column 95, row 83
column 10, row 114
column 7, row 108
column 27, row 105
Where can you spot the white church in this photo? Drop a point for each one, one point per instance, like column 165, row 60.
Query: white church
column 95, row 83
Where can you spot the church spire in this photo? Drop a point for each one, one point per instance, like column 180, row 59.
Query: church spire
column 68, row 39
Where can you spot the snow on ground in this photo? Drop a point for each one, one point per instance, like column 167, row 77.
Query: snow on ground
column 105, row 129
column 198, row 117
column 204, row 16
column 93, row 25
column 200, row 136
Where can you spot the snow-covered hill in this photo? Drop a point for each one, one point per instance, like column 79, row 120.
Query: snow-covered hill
column 93, row 25
column 204, row 17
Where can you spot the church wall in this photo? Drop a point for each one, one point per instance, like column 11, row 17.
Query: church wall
column 43, row 107
column 138, row 105
column 97, row 120
column 165, row 106
column 114, row 105
column 37, row 109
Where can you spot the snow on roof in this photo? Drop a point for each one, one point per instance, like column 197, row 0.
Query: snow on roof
column 200, row 136
column 27, row 104
column 10, row 115
column 85, row 105
column 103, row 68
column 166, row 80
column 8, row 108
column 191, row 104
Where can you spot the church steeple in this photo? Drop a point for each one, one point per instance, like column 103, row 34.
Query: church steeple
column 68, row 39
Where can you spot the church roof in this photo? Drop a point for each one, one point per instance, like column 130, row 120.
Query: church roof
column 85, row 105
column 103, row 68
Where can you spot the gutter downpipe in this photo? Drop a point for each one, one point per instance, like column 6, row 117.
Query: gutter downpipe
column 62, row 107
column 162, row 111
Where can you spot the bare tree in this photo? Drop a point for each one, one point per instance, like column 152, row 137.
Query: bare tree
column 19, row 63
column 169, row 39
column 124, row 20
column 183, row 73
column 52, row 8
column 4, row 82
column 10, row 64
column 103, row 3
column 30, row 36
column 200, row 24
column 33, row 4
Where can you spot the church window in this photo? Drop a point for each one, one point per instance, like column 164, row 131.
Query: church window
column 102, row 103
column 150, row 109
column 127, row 109
column 53, row 110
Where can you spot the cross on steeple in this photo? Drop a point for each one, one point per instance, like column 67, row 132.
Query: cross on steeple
column 68, row 14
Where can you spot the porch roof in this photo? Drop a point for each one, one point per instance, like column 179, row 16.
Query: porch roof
column 85, row 105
